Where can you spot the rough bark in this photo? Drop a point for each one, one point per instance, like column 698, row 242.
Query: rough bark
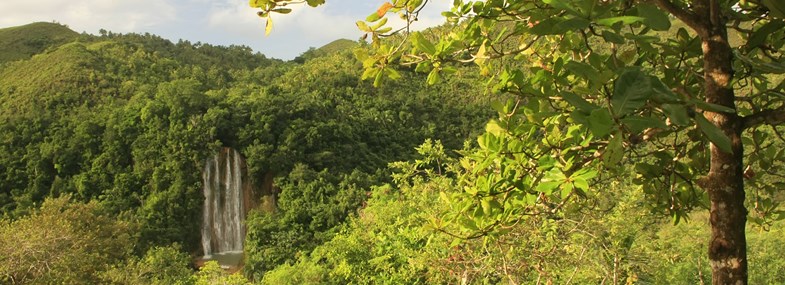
column 724, row 182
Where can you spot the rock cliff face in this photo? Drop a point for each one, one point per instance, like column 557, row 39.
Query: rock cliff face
column 229, row 196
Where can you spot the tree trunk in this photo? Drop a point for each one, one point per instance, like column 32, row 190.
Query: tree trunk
column 724, row 182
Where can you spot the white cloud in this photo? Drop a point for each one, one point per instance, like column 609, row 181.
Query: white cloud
column 313, row 24
column 90, row 15
column 307, row 27
column 222, row 22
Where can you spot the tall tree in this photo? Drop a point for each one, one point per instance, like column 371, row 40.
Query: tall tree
column 649, row 83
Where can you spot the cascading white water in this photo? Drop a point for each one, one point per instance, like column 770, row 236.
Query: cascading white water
column 224, row 212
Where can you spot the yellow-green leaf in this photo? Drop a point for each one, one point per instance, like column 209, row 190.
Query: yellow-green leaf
column 269, row 26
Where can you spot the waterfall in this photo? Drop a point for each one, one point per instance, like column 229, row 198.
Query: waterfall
column 224, row 211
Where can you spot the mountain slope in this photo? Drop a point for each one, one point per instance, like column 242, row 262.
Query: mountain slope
column 22, row 42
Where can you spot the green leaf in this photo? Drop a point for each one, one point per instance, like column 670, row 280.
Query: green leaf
column 614, row 152
column 776, row 7
column 759, row 36
column 623, row 19
column 637, row 124
column 379, row 24
column 630, row 92
column 713, row 107
column 282, row 10
column 257, row 3
column 761, row 66
column 373, row 17
column 433, row 77
column 480, row 57
column 578, row 102
column 422, row 44
column 661, row 92
column 566, row 189
column 583, row 70
column 392, row 73
column 551, row 180
column 612, row 37
column 377, row 81
column 677, row 113
column 571, row 25
column 314, row 3
column 715, row 134
column 585, row 173
column 369, row 72
column 494, row 128
column 558, row 25
column 363, row 26
column 654, row 18
column 564, row 5
column 469, row 224
column 548, row 187
column 581, row 183
column 600, row 123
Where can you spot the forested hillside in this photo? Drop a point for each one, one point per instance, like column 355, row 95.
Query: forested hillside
column 124, row 124
column 437, row 171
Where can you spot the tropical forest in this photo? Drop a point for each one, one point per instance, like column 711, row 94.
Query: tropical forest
column 517, row 142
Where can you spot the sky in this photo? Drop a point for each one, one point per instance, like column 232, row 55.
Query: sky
column 218, row 22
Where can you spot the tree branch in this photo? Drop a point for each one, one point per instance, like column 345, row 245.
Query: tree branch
column 768, row 117
column 685, row 16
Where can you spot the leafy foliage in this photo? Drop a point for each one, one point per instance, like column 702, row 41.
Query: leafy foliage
column 63, row 242
column 675, row 88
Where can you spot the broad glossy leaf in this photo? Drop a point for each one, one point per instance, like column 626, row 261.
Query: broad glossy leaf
column 392, row 73
column 494, row 128
column 363, row 27
column 548, row 187
column 282, row 10
column 761, row 66
column 661, row 92
column 578, row 102
column 433, row 77
column 583, row 70
column 557, row 25
column 614, row 152
column 257, row 3
column 613, row 37
column 581, row 183
column 562, row 4
column 714, row 107
column 776, row 7
column 571, row 25
column 677, row 113
column 600, row 123
column 714, row 133
column 585, row 173
column 422, row 44
column 759, row 36
column 637, row 124
column 621, row 19
column 378, row 25
column 653, row 17
column 631, row 91
column 373, row 17
column 314, row 3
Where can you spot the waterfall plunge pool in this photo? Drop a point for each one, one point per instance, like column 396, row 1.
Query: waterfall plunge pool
column 227, row 260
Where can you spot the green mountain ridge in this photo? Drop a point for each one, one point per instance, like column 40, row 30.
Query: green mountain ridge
column 22, row 42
